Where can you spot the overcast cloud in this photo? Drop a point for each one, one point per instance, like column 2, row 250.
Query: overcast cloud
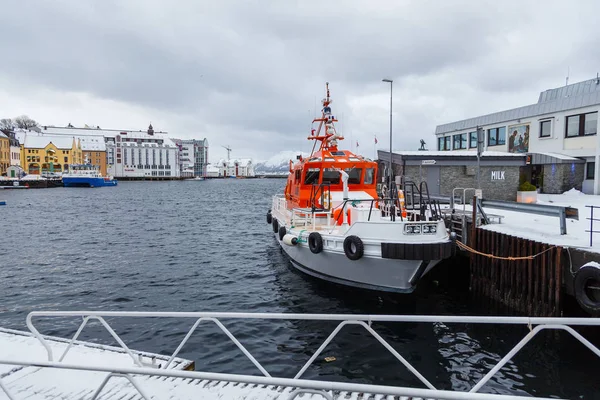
column 247, row 73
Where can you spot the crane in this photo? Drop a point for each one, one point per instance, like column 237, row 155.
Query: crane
column 228, row 151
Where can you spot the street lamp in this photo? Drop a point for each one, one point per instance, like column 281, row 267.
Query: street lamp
column 391, row 82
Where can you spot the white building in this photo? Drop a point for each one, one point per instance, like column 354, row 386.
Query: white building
column 236, row 168
column 193, row 156
column 132, row 154
column 15, row 149
column 212, row 171
column 559, row 135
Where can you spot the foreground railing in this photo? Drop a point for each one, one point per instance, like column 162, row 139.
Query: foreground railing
column 535, row 325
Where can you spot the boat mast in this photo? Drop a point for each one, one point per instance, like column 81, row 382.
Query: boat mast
column 329, row 136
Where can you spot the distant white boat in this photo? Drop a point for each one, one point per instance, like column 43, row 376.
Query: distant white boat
column 197, row 178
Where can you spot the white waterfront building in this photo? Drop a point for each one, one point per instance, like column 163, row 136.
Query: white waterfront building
column 558, row 135
column 193, row 157
column 243, row 167
column 132, row 154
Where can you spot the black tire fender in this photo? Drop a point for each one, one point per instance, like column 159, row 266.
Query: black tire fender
column 585, row 277
column 282, row 232
column 354, row 247
column 275, row 225
column 269, row 217
column 315, row 242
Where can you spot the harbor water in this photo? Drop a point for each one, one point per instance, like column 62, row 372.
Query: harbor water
column 206, row 246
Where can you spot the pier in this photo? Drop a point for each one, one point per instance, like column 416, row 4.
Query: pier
column 513, row 264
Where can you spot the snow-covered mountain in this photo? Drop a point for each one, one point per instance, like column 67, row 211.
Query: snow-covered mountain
column 279, row 163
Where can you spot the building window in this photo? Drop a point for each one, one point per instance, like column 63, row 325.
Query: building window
column 460, row 141
column 590, row 172
column 473, row 140
column 497, row 136
column 545, row 128
column 444, row 143
column 66, row 159
column 582, row 125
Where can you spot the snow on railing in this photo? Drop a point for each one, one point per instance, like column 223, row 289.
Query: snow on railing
column 364, row 321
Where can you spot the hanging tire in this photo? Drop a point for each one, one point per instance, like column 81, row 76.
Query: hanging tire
column 282, row 232
column 587, row 288
column 275, row 225
column 269, row 217
column 315, row 242
column 353, row 247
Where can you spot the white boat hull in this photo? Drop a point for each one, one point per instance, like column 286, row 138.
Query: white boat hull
column 373, row 273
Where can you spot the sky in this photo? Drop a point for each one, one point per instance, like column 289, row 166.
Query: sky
column 250, row 74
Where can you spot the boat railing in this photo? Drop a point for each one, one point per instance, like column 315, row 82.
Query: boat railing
column 370, row 323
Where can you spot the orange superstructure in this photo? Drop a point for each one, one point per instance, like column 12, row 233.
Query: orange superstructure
column 325, row 168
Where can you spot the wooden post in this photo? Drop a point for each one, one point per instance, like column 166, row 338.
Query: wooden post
column 544, row 280
column 529, row 279
column 536, row 277
column 558, row 288
column 473, row 243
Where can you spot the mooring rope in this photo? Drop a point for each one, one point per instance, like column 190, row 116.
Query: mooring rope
column 472, row 250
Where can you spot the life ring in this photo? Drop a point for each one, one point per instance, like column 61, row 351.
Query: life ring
column 315, row 242
column 353, row 247
column 282, row 232
column 269, row 217
column 585, row 278
column 275, row 225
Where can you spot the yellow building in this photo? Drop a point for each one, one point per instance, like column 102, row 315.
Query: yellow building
column 42, row 154
column 4, row 153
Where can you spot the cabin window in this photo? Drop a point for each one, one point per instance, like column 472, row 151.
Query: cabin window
column 298, row 175
column 312, row 176
column 354, row 175
column 353, row 158
column 330, row 159
column 369, row 176
column 331, row 176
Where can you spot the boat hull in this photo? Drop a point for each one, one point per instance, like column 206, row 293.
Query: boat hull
column 88, row 182
column 372, row 273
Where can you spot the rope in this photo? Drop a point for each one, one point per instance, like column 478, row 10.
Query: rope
column 472, row 250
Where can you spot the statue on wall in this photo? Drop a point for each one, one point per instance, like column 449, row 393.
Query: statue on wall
column 422, row 145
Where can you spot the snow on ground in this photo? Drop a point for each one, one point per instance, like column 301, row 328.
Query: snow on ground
column 547, row 229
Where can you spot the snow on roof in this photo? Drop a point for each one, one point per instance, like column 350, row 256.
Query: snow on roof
column 92, row 143
column 2, row 135
column 560, row 156
column 465, row 153
column 41, row 141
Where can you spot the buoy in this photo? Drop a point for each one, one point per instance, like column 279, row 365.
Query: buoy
column 290, row 239
column 402, row 205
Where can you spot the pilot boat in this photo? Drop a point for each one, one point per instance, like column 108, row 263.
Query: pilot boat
column 86, row 175
column 333, row 225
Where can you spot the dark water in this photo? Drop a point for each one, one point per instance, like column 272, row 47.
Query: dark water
column 205, row 246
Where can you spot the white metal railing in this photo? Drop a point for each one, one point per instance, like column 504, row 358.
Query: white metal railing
column 364, row 321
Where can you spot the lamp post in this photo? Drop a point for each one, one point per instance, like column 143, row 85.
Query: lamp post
column 391, row 82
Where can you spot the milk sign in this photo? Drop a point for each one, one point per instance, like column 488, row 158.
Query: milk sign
column 497, row 175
